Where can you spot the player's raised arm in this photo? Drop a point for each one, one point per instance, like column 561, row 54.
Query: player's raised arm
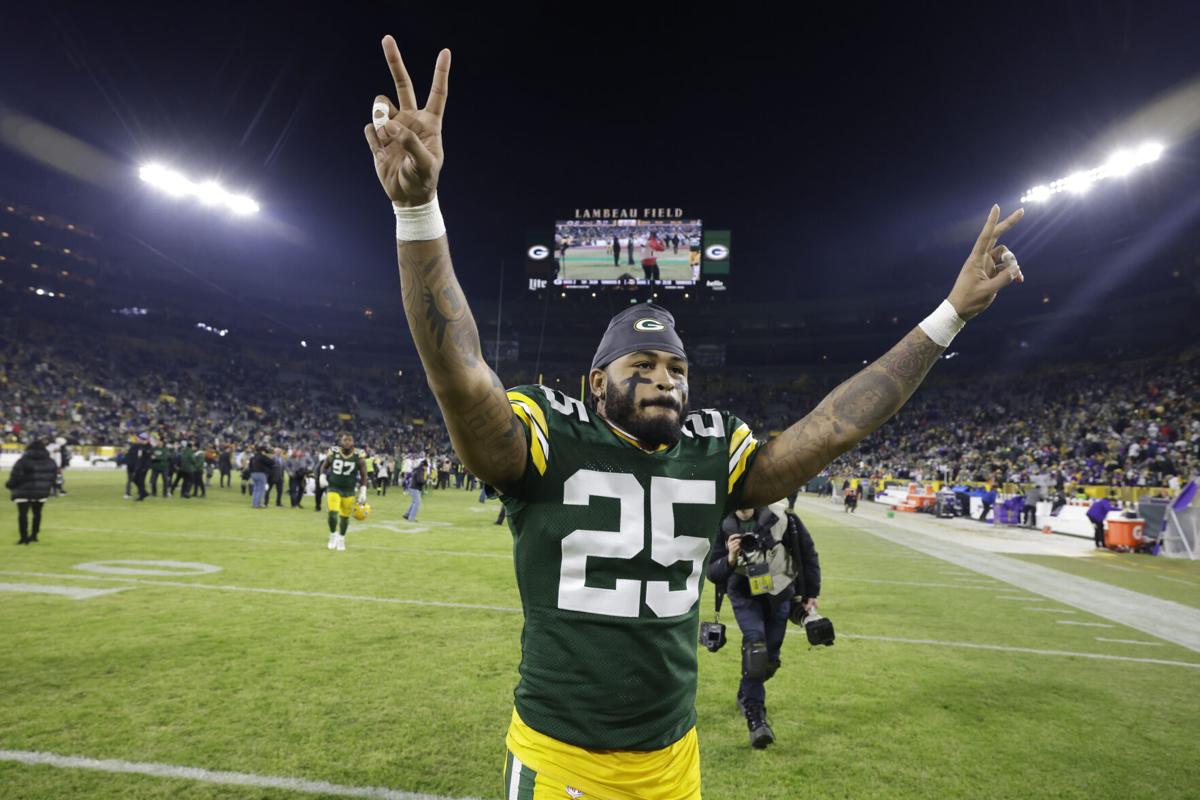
column 864, row 402
column 406, row 143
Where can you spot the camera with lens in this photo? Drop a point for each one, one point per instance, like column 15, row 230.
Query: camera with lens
column 760, row 539
column 819, row 629
column 712, row 635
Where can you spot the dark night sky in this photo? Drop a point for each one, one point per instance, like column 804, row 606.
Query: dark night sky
column 837, row 145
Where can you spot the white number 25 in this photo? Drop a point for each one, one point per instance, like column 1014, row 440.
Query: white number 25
column 624, row 600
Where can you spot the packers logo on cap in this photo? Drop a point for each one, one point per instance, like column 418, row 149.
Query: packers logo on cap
column 648, row 324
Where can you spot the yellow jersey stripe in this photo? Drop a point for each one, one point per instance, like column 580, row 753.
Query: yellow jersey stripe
column 533, row 408
column 735, row 441
column 738, row 467
column 625, row 437
column 538, row 446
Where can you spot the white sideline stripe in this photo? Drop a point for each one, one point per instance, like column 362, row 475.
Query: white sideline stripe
column 1162, row 619
column 1084, row 624
column 1034, row 651
column 1129, row 641
column 1018, row 597
column 73, row 592
column 991, row 587
column 1050, row 610
column 262, row 590
column 213, row 776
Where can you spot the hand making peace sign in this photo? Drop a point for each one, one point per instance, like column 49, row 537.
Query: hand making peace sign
column 988, row 269
column 407, row 142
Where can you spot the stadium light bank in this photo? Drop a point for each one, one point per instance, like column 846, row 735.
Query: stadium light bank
column 210, row 193
column 1119, row 164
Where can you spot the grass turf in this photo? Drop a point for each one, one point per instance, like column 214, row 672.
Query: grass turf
column 322, row 674
column 594, row 263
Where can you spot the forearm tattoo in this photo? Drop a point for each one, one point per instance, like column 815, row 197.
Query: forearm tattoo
column 483, row 428
column 436, row 308
column 845, row 417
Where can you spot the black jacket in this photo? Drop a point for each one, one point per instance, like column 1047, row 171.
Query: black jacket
column 796, row 539
column 33, row 475
column 262, row 463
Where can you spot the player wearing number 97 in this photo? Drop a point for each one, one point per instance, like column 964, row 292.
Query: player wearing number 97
column 346, row 470
column 613, row 505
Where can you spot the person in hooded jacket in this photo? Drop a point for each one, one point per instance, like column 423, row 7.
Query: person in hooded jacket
column 31, row 482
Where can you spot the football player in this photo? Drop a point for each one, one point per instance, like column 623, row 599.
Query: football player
column 614, row 504
column 345, row 470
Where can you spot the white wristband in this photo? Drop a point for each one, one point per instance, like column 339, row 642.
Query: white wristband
column 943, row 324
column 419, row 223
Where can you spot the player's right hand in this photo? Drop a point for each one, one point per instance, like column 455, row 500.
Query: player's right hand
column 407, row 146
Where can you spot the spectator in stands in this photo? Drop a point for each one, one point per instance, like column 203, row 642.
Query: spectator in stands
column 31, row 482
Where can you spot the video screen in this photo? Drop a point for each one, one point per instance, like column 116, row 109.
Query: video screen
column 626, row 251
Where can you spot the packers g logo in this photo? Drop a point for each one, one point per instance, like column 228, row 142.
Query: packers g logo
column 539, row 252
column 716, row 252
column 648, row 324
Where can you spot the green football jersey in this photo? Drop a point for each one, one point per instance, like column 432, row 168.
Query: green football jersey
column 611, row 545
column 343, row 471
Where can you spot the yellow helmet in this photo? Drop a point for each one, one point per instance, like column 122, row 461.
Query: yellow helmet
column 362, row 511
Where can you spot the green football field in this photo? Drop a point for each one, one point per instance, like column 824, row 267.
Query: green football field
column 596, row 263
column 274, row 668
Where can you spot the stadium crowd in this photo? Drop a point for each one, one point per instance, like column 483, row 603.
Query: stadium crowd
column 1136, row 425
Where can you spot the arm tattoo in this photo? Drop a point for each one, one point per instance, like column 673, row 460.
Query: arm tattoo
column 483, row 428
column 431, row 292
column 846, row 416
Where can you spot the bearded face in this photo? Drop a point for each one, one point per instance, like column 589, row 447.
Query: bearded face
column 646, row 394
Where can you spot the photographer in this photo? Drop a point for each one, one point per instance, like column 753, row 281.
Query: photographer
column 763, row 559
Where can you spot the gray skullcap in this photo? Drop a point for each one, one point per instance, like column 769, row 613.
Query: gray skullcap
column 647, row 326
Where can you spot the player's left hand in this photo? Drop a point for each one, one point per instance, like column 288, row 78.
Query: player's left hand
column 407, row 144
column 988, row 269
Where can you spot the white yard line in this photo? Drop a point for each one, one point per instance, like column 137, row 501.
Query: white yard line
column 316, row 543
column 261, row 590
column 1129, row 641
column 1084, row 624
column 1022, row 599
column 1030, row 650
column 73, row 592
column 1162, row 619
column 302, row 785
column 331, row 596
column 1051, row 610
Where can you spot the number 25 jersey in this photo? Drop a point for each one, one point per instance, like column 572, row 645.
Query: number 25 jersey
column 610, row 544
